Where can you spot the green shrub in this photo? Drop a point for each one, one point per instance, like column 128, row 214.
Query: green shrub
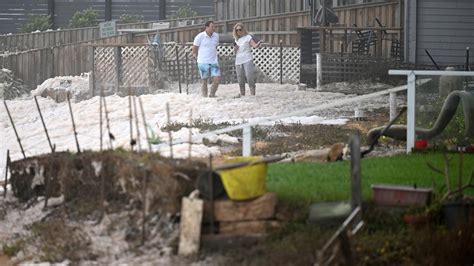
column 185, row 12
column 128, row 18
column 35, row 23
column 84, row 18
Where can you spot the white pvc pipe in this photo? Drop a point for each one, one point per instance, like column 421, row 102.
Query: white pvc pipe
column 411, row 111
column 393, row 105
column 431, row 72
column 319, row 71
column 247, row 141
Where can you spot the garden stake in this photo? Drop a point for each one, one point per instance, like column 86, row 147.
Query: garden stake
column 44, row 125
column 177, row 66
column 46, row 183
column 144, row 123
column 466, row 67
column 211, row 194
column 111, row 136
column 169, row 129
column 145, row 185
column 190, row 132
column 281, row 62
column 14, row 129
column 136, row 122
column 100, row 117
column 73, row 124
column 7, row 165
column 186, row 71
column 461, row 161
column 132, row 141
column 102, row 196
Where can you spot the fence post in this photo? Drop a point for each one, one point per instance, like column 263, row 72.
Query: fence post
column 393, row 105
column 177, row 66
column 247, row 141
column 356, row 188
column 92, row 75
column 411, row 78
column 319, row 71
column 281, row 62
column 118, row 65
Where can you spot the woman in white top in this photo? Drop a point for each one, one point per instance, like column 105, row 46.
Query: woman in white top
column 243, row 58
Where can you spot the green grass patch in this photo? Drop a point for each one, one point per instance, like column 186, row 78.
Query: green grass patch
column 304, row 183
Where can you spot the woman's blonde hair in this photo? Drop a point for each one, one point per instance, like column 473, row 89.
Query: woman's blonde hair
column 244, row 31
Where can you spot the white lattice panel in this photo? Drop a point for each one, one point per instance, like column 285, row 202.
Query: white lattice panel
column 268, row 60
column 104, row 68
column 139, row 62
column 135, row 66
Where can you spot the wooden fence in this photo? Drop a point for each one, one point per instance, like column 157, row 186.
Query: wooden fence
column 37, row 40
column 238, row 9
column 35, row 66
column 390, row 14
column 272, row 29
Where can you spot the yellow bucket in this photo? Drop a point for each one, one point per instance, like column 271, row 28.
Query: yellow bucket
column 244, row 182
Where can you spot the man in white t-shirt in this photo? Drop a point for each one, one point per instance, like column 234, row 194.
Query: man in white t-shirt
column 205, row 49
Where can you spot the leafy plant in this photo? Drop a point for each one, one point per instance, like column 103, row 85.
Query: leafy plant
column 130, row 18
column 185, row 12
column 36, row 23
column 84, row 18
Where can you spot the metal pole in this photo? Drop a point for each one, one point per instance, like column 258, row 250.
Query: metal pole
column 136, row 123
column 144, row 124
column 44, row 125
column 111, row 136
column 411, row 78
column 132, row 141
column 281, row 62
column 14, row 129
column 177, row 65
column 186, row 70
column 73, row 124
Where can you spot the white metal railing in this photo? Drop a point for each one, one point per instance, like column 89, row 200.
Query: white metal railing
column 411, row 78
column 246, row 127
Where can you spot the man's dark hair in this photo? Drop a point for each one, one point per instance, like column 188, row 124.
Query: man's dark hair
column 208, row 23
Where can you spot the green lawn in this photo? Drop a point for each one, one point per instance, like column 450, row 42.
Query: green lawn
column 313, row 182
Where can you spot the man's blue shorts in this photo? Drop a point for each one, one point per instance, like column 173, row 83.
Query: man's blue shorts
column 209, row 69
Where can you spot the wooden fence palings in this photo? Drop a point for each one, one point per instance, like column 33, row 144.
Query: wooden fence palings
column 38, row 40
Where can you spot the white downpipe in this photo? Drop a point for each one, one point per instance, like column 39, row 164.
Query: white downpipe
column 247, row 141
column 393, row 105
column 411, row 78
column 319, row 71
